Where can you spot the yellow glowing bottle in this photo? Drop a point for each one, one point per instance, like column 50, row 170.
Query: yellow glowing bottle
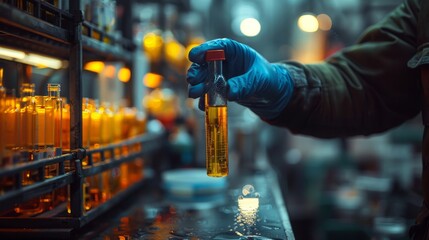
column 3, row 139
column 216, row 119
column 94, row 182
column 40, row 126
column 86, row 143
column 65, row 126
column 12, row 121
column 2, row 119
column 54, row 113
column 28, row 116
column 106, row 138
column 86, row 126
column 10, row 133
column 117, row 131
column 46, row 200
column 54, row 117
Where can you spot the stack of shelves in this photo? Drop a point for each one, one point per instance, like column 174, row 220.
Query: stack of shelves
column 65, row 35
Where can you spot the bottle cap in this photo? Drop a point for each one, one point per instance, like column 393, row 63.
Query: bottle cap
column 215, row 55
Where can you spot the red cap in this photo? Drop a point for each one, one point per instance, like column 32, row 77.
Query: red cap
column 214, row 55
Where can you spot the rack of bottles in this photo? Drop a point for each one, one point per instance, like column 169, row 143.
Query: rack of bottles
column 67, row 184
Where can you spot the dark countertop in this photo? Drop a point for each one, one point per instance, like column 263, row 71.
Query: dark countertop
column 151, row 213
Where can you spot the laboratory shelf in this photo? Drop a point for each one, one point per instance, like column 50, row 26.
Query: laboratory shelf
column 21, row 193
column 26, row 32
column 35, row 26
column 143, row 146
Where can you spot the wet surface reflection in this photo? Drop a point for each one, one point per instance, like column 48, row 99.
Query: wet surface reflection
column 239, row 213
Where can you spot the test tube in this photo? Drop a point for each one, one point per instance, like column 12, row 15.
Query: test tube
column 216, row 119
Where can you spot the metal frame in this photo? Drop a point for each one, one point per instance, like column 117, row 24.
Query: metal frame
column 63, row 35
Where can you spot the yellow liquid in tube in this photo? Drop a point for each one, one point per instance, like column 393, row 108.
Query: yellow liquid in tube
column 216, row 141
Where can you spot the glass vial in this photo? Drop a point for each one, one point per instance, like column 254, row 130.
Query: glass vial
column 65, row 126
column 10, row 127
column 27, row 117
column 54, row 116
column 216, row 119
column 53, row 110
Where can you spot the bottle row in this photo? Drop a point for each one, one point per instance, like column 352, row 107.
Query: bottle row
column 34, row 127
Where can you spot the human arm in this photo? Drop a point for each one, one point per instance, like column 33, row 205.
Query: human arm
column 363, row 89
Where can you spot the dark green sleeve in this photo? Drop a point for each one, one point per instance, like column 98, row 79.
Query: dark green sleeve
column 364, row 89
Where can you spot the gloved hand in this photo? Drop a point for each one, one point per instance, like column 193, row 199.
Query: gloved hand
column 252, row 81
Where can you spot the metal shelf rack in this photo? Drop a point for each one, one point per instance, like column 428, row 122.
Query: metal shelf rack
column 47, row 30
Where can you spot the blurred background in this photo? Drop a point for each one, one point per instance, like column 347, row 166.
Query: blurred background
column 333, row 189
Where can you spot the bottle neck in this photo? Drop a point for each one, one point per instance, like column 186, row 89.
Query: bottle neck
column 27, row 90
column 54, row 90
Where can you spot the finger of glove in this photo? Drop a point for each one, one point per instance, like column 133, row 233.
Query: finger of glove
column 201, row 103
column 195, row 91
column 240, row 87
column 196, row 74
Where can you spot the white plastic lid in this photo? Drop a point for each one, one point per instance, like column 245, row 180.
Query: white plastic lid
column 186, row 182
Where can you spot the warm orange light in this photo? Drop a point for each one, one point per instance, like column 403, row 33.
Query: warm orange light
column 189, row 48
column 94, row 66
column 152, row 80
column 325, row 22
column 174, row 51
column 193, row 42
column 124, row 74
column 110, row 71
column 152, row 44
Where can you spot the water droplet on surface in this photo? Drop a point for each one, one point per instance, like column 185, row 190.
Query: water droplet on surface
column 247, row 189
column 271, row 227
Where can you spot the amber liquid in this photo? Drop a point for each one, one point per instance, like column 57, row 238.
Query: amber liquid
column 216, row 141
column 65, row 128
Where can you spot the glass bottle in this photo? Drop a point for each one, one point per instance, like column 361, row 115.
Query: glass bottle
column 106, row 137
column 28, row 115
column 86, row 143
column 54, row 112
column 54, row 117
column 128, row 116
column 10, row 132
column 2, row 118
column 12, row 124
column 65, row 125
column 3, row 135
column 216, row 118
column 40, row 125
column 95, row 182
column 86, row 124
column 117, row 131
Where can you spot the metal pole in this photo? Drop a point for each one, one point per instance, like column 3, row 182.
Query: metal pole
column 75, row 94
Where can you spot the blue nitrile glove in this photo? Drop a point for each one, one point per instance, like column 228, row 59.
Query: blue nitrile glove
column 263, row 87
